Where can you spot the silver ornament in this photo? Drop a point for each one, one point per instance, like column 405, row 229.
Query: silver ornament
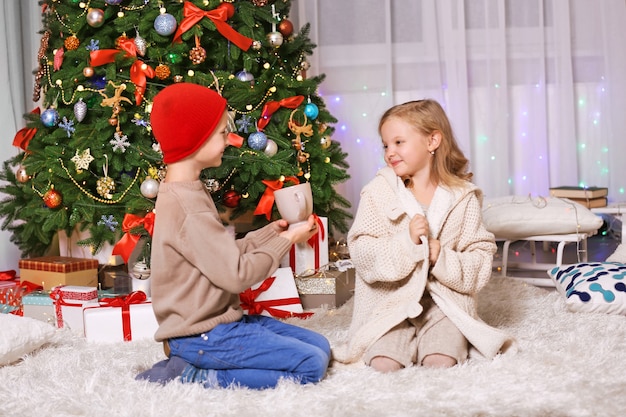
column 149, row 188
column 141, row 44
column 80, row 110
column 270, row 148
column 275, row 39
column 141, row 270
column 244, row 76
column 95, row 17
column 165, row 24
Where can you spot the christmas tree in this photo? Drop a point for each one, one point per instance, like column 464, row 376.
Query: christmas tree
column 88, row 160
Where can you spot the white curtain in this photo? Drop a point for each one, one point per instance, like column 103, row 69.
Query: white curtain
column 20, row 20
column 535, row 89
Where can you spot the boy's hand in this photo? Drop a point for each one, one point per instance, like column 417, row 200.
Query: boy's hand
column 301, row 232
column 279, row 225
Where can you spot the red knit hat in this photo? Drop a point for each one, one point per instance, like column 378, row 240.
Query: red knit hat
column 183, row 116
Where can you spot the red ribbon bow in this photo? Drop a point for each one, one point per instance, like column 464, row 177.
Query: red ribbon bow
column 271, row 106
column 313, row 242
column 124, row 247
column 267, row 199
column 138, row 71
column 248, row 302
column 193, row 14
column 7, row 275
column 23, row 136
column 135, row 297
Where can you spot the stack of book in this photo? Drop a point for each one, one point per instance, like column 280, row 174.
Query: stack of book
column 590, row 197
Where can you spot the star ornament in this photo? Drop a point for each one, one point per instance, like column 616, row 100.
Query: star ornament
column 120, row 143
column 82, row 160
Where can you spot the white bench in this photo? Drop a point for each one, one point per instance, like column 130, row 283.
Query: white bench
column 579, row 238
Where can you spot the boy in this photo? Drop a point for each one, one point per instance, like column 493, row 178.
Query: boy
column 199, row 269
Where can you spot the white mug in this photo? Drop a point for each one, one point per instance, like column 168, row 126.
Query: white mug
column 294, row 203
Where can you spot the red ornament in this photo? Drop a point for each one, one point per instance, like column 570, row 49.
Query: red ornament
column 231, row 198
column 52, row 198
column 285, row 27
column 230, row 9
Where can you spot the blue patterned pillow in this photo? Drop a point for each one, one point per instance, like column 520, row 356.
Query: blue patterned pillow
column 598, row 287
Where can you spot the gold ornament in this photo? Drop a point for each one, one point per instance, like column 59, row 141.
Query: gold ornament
column 105, row 186
column 71, row 43
column 162, row 71
column 21, row 175
column 325, row 142
column 198, row 53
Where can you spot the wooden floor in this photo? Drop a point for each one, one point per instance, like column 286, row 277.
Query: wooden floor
column 599, row 247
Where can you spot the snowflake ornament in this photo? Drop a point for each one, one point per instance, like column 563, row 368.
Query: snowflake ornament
column 244, row 123
column 120, row 143
column 109, row 222
column 82, row 160
column 68, row 126
column 138, row 121
column 94, row 45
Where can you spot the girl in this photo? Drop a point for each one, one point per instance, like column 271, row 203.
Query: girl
column 420, row 251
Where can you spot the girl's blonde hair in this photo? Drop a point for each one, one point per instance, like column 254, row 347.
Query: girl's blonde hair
column 450, row 166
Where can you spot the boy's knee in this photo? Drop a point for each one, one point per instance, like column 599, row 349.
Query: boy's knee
column 317, row 365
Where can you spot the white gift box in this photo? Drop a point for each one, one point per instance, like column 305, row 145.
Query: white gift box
column 277, row 296
column 304, row 257
column 110, row 324
column 69, row 301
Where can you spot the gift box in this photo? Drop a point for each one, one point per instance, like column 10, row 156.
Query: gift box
column 311, row 255
column 119, row 319
column 69, row 301
column 38, row 305
column 52, row 271
column 10, row 297
column 277, row 296
column 331, row 288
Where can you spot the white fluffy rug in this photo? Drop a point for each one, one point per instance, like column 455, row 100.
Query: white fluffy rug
column 569, row 364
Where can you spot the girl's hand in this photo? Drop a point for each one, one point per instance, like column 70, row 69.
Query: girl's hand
column 418, row 227
column 434, row 247
column 301, row 232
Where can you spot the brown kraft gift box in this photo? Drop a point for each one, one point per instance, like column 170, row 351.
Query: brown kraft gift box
column 51, row 271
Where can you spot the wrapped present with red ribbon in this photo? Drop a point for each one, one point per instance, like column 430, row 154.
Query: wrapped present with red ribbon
column 52, row 271
column 69, row 301
column 120, row 319
column 309, row 256
column 277, row 296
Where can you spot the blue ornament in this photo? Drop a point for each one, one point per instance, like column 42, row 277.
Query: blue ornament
column 165, row 24
column 113, row 2
column 98, row 82
column 311, row 111
column 257, row 141
column 50, row 117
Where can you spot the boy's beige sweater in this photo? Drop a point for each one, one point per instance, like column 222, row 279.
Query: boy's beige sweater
column 393, row 272
column 198, row 268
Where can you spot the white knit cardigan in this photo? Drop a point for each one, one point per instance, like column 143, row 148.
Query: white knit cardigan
column 393, row 272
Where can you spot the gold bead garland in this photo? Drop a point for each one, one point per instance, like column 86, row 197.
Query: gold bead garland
column 93, row 197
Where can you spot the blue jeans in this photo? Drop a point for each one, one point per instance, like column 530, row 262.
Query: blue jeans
column 256, row 352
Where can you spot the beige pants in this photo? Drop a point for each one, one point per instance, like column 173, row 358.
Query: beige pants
column 412, row 340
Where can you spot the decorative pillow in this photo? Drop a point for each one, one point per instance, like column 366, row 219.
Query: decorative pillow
column 21, row 336
column 514, row 217
column 592, row 287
